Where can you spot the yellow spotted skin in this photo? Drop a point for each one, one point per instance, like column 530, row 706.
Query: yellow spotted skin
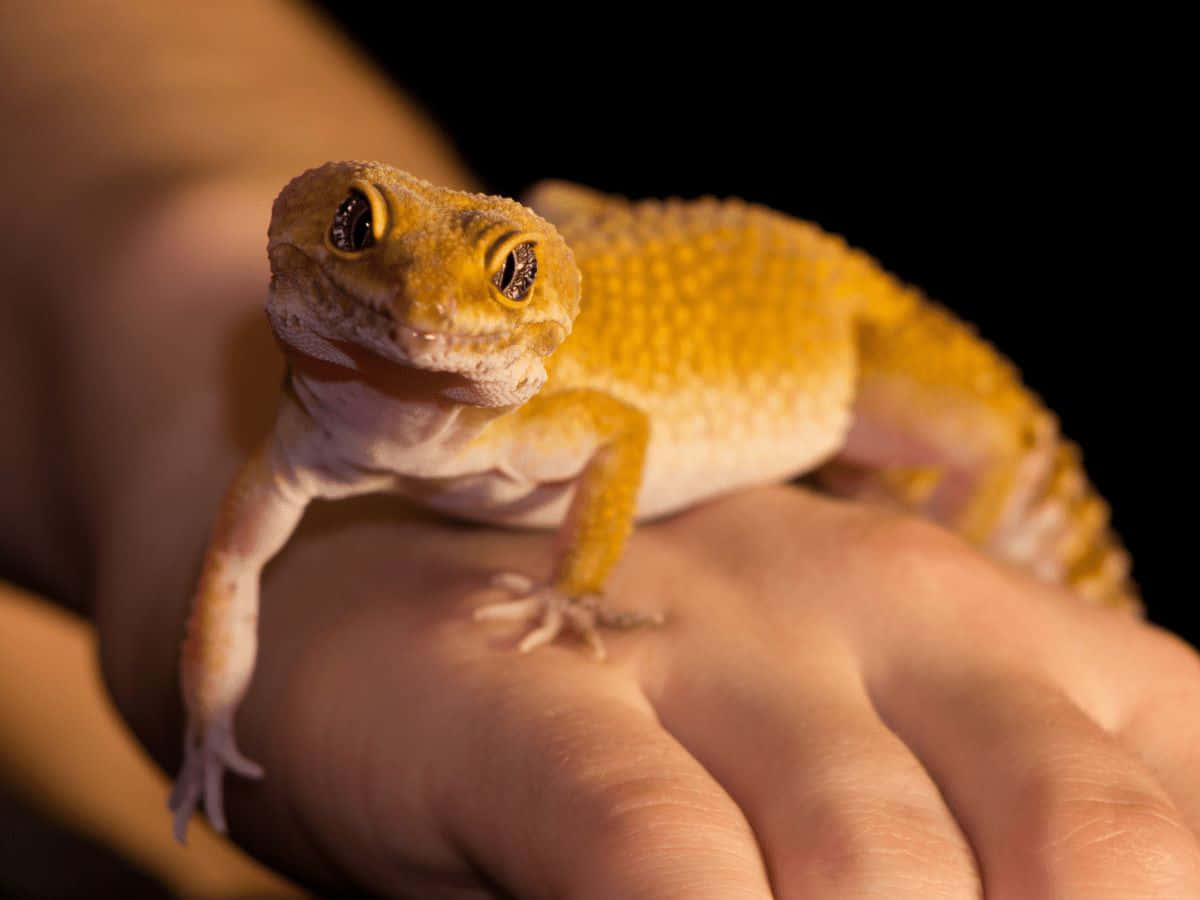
column 690, row 383
column 727, row 325
column 758, row 346
column 707, row 297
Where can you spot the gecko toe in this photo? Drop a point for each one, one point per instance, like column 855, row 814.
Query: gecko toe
column 583, row 619
column 513, row 581
column 214, row 801
column 513, row 610
column 182, row 802
column 233, row 758
column 547, row 631
column 627, row 618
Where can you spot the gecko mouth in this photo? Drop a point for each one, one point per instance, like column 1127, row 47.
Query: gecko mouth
column 486, row 355
column 375, row 323
column 468, row 353
column 415, row 342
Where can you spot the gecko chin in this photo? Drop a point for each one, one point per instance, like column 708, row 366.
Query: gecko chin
column 427, row 362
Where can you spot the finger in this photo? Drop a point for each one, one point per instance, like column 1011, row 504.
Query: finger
column 1161, row 725
column 575, row 790
column 1053, row 806
column 840, row 806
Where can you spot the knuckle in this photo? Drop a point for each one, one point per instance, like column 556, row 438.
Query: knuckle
column 633, row 805
column 1111, row 837
column 1173, row 658
column 914, row 555
column 870, row 822
column 623, row 792
column 901, row 538
column 632, row 818
column 900, row 846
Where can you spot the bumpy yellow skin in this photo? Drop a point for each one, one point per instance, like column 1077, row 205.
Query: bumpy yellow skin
column 729, row 324
column 664, row 352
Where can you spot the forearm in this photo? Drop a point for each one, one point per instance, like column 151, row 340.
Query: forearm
column 121, row 297
column 136, row 367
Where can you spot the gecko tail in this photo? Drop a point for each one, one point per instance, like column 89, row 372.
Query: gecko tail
column 945, row 427
column 1047, row 519
column 1062, row 534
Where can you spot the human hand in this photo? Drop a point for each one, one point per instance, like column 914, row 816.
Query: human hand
column 842, row 703
column 846, row 703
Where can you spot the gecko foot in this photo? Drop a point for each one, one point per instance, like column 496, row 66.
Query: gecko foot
column 208, row 750
column 557, row 611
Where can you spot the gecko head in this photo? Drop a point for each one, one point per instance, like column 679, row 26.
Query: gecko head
column 367, row 259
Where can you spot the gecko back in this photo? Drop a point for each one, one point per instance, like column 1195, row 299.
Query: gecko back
column 763, row 347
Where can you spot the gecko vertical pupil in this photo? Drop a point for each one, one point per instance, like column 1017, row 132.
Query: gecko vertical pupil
column 506, row 274
column 516, row 276
column 352, row 228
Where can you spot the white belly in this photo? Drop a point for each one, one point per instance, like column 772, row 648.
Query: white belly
column 703, row 442
column 685, row 463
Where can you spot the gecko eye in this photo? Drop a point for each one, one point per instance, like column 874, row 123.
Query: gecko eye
column 351, row 229
column 515, row 277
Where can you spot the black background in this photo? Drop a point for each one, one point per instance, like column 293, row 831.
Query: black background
column 1027, row 174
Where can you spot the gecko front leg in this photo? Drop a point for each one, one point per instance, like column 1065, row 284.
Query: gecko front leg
column 597, row 523
column 258, row 514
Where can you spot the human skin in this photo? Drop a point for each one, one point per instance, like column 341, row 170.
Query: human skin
column 843, row 702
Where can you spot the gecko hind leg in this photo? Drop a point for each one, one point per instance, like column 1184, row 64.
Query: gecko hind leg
column 557, row 611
